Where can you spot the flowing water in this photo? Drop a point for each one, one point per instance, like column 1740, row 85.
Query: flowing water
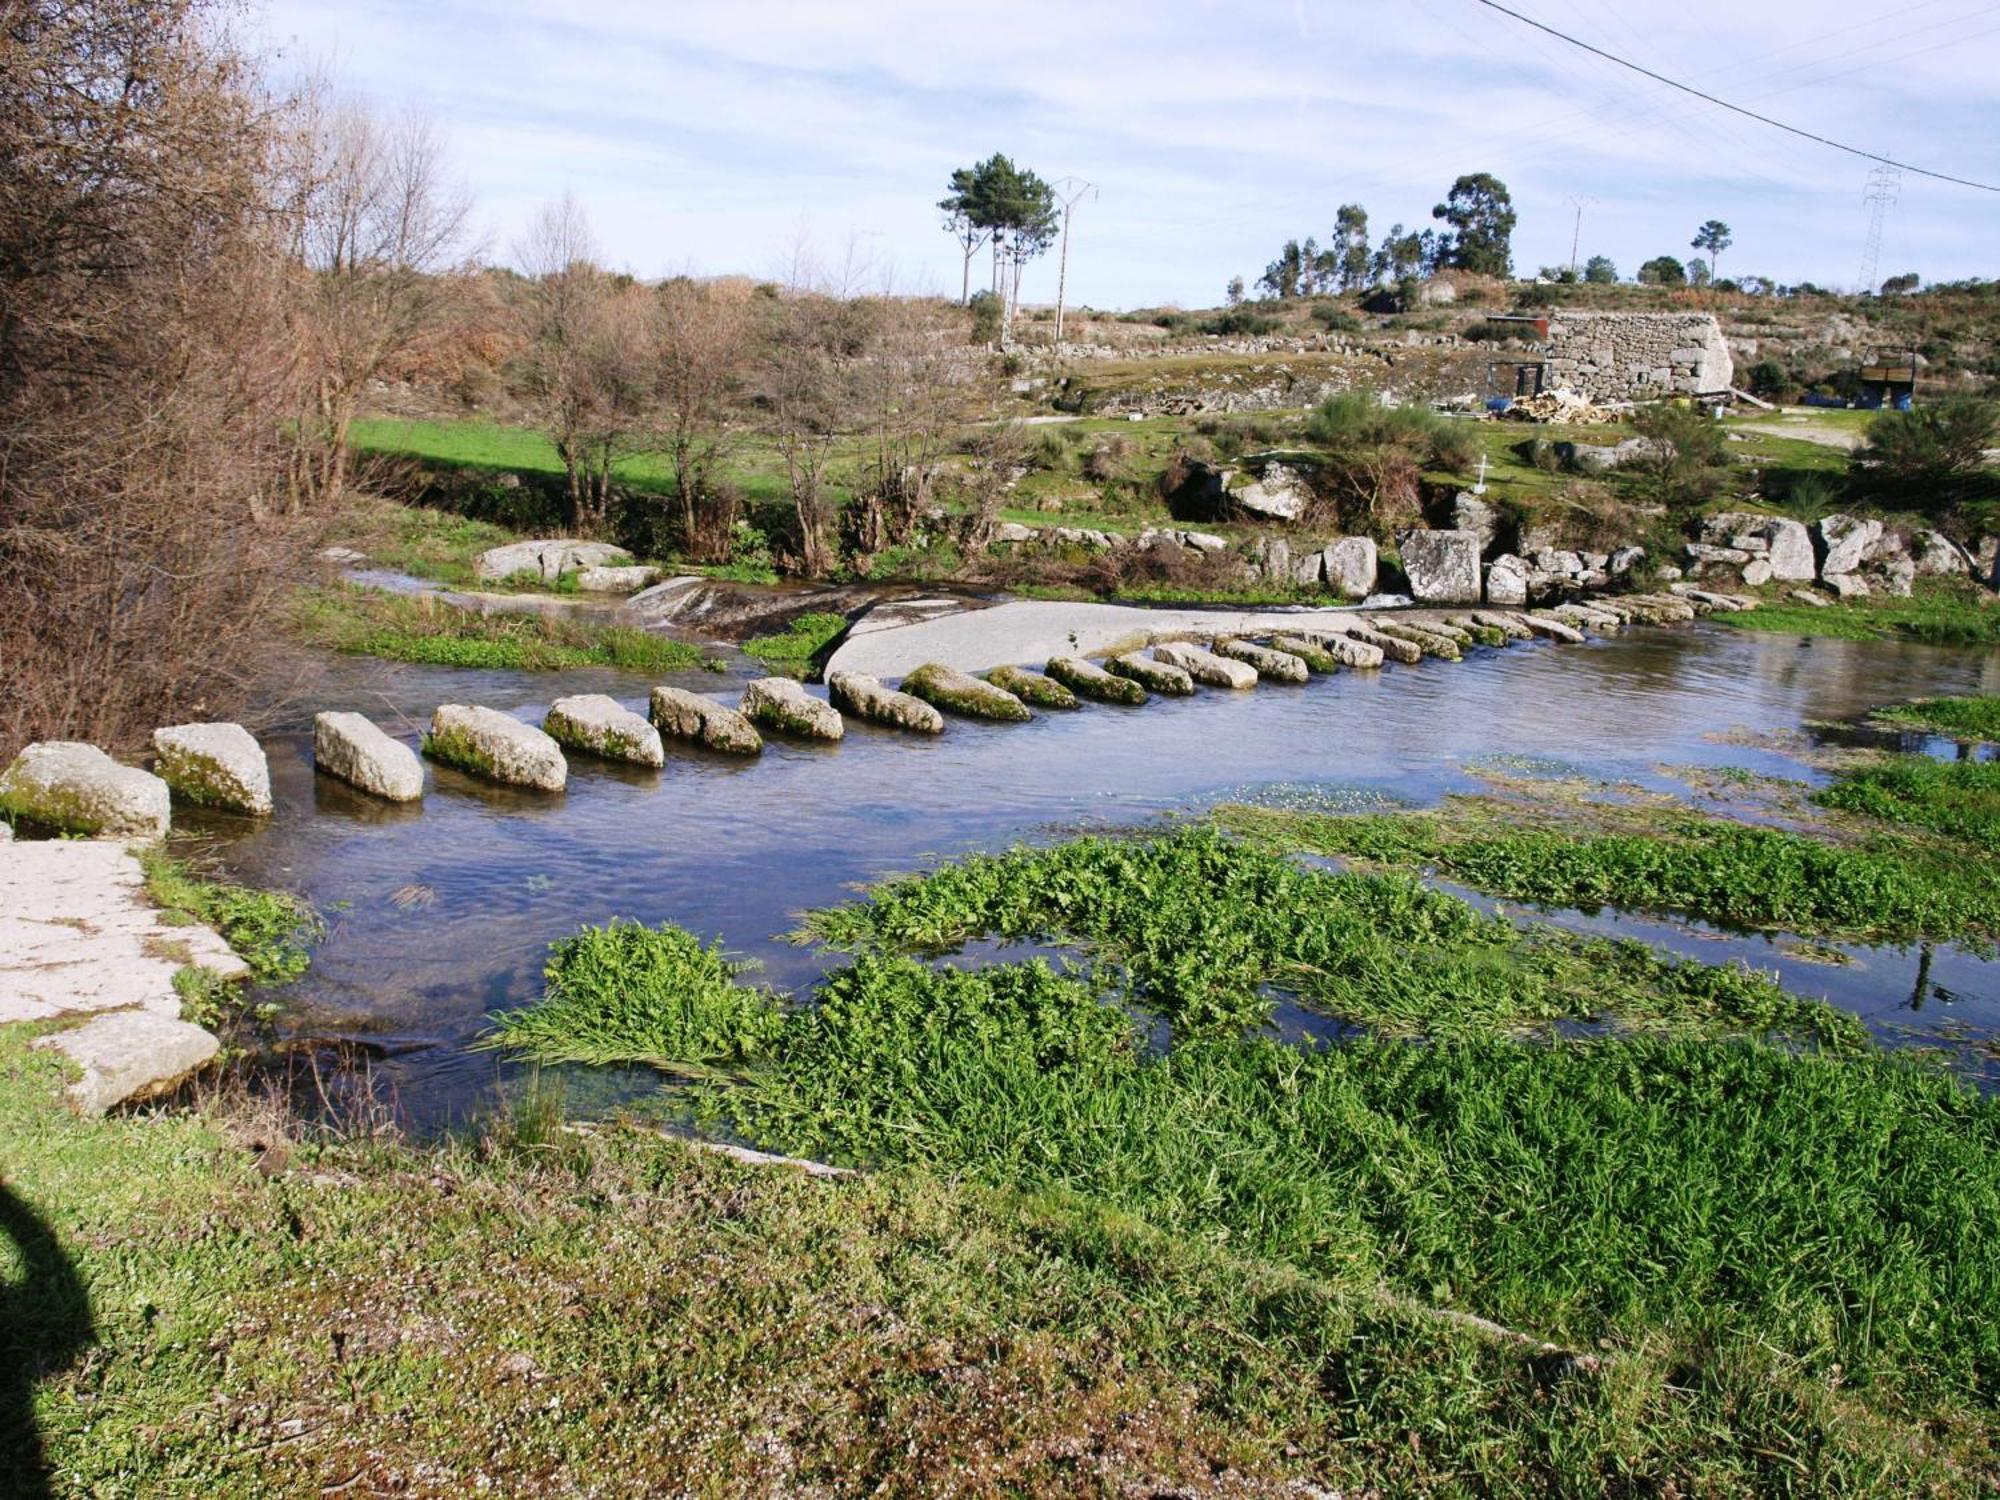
column 441, row 914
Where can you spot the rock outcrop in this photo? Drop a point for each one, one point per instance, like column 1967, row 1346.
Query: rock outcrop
column 864, row 696
column 1843, row 543
column 1784, row 544
column 715, row 726
column 214, row 765
column 598, row 725
column 617, row 580
column 783, row 706
column 1507, row 580
column 1350, row 566
column 352, row 749
column 71, row 787
column 496, row 747
column 547, row 560
column 957, row 692
column 1442, row 566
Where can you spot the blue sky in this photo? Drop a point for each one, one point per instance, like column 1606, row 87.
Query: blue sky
column 711, row 136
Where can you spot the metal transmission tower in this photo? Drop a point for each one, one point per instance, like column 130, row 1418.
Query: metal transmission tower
column 1576, row 234
column 1885, row 186
column 1071, row 191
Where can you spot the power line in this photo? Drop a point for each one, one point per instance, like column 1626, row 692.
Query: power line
column 1984, row 187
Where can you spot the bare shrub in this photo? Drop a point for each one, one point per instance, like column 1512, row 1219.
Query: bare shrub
column 703, row 344
column 145, row 372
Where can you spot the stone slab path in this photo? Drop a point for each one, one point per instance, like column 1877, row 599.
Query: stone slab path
column 78, row 935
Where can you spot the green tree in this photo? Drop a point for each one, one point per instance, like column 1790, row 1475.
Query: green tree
column 1686, row 457
column 1934, row 456
column 1350, row 229
column 1698, row 272
column 1898, row 286
column 1480, row 211
column 1713, row 237
column 1400, row 256
column 1663, row 270
column 1011, row 208
column 1234, row 291
column 1599, row 271
column 967, row 217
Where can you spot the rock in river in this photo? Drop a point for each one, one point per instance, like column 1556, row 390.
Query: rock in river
column 780, row 704
column 594, row 722
column 865, row 697
column 1273, row 666
column 948, row 688
column 1032, row 688
column 1154, row 676
column 1314, row 657
column 496, row 747
column 351, row 749
column 1205, row 666
column 76, row 788
column 690, row 716
column 1089, row 680
column 214, row 765
column 548, row 560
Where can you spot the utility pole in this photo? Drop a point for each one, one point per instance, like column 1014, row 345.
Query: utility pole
column 1576, row 234
column 1071, row 191
column 1885, row 186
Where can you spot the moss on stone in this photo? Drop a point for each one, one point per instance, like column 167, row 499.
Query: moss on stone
column 945, row 688
column 1033, row 688
column 1092, row 681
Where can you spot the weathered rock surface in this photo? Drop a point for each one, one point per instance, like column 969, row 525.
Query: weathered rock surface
column 214, row 765
column 1316, row 657
column 1555, row 628
column 1280, row 493
column 1442, row 566
column 72, row 787
column 863, row 696
column 1427, row 641
column 597, row 724
column 1847, row 585
column 1032, row 688
column 352, row 749
column 1625, row 559
column 1470, row 513
column 1510, row 625
column 1757, row 572
column 615, row 580
column 1807, row 596
column 1349, row 650
column 1601, row 458
column 947, row 688
column 690, row 716
column 1938, row 556
column 1154, row 676
column 1270, row 664
column 130, row 1055
column 1392, row 648
column 549, row 560
column 1205, row 666
column 1844, row 542
column 1783, row 543
column 1088, row 680
column 780, row 704
column 1507, row 580
column 1350, row 566
column 486, row 743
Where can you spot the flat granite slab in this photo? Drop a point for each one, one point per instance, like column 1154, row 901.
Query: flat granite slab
column 78, row 936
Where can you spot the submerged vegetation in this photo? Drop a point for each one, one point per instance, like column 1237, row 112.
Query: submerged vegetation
column 1957, row 799
column 272, row 931
column 424, row 629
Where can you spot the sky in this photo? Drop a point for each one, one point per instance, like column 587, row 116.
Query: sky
column 723, row 136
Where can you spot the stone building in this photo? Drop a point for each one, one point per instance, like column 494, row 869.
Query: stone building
column 1638, row 356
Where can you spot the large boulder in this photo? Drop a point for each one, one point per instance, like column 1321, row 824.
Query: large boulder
column 715, row 726
column 1280, row 493
column 547, row 560
column 618, row 580
column 214, row 765
column 1784, row 543
column 598, row 724
column 72, row 787
column 1592, row 458
column 131, row 1055
column 865, row 697
column 1938, row 556
column 1442, row 566
column 1032, row 688
column 350, row 748
column 1843, row 542
column 1153, row 676
column 1507, row 580
column 780, row 704
column 486, row 743
column 1350, row 566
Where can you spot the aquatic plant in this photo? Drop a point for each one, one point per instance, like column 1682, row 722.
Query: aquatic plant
column 1961, row 718
column 366, row 622
column 271, row 931
column 1959, row 799
column 801, row 641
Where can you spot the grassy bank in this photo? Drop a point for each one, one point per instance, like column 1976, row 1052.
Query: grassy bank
column 1958, row 718
column 366, row 622
column 1937, row 614
column 792, row 650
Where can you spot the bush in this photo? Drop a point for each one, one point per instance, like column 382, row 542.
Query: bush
column 1334, row 318
column 1378, row 453
column 1934, row 457
column 1687, row 453
column 986, row 318
column 1239, row 321
column 1494, row 331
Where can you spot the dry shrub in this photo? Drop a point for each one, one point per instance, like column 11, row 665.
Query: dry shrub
column 144, row 372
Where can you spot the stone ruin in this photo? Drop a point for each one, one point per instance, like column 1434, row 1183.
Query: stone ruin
column 1638, row 356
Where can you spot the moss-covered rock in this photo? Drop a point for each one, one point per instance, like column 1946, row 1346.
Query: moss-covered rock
column 71, row 787
column 495, row 747
column 784, row 707
column 1032, row 688
column 1427, row 642
column 689, row 716
column 1315, row 657
column 1270, row 664
column 597, row 724
column 1205, row 667
column 214, row 765
column 1154, row 676
column 865, row 697
column 1088, row 680
column 959, row 693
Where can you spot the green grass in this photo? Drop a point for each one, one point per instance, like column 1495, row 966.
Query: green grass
column 625, row 986
column 802, row 640
column 1960, row 718
column 1737, row 876
column 1958, row 799
column 1936, row 615
column 422, row 542
column 366, row 622
column 272, row 931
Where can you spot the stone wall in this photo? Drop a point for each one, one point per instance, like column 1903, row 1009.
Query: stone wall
column 1639, row 356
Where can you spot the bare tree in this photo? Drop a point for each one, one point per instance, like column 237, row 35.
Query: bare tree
column 377, row 230
column 909, row 395
column 703, row 346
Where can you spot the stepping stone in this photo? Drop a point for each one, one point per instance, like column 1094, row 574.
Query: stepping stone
column 1351, row 649
column 1513, row 626
column 1426, row 641
column 598, row 725
column 129, row 1055
column 947, row 688
column 690, row 716
column 214, row 765
column 780, row 704
column 1269, row 664
column 1478, row 634
column 1315, row 658
column 1154, row 676
column 72, row 787
column 1457, row 635
column 1394, row 648
column 496, row 747
column 1032, row 688
column 1556, row 630
column 1088, row 680
column 1205, row 666
column 350, row 748
column 866, row 698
